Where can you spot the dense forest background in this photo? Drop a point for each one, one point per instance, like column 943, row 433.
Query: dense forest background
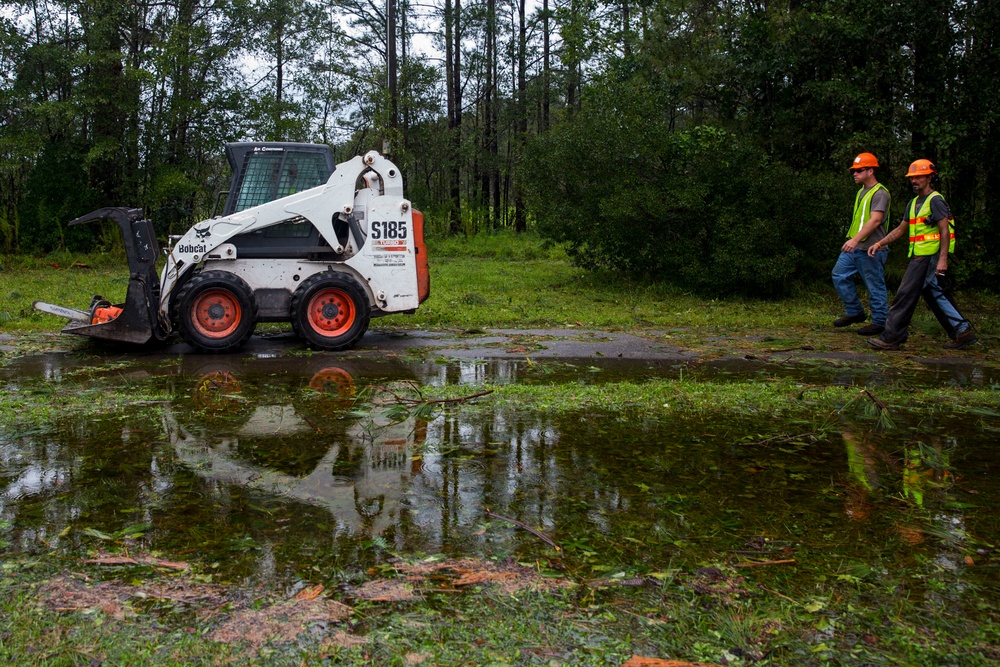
column 700, row 142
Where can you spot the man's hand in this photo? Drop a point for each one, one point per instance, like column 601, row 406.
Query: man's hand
column 942, row 266
column 850, row 245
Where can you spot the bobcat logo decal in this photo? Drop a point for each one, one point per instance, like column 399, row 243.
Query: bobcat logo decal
column 203, row 233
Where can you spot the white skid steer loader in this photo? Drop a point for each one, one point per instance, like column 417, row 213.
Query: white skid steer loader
column 300, row 240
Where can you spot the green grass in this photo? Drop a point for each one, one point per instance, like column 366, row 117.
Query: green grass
column 834, row 624
column 508, row 281
column 841, row 619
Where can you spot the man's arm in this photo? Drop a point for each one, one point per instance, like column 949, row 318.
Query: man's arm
column 873, row 222
column 890, row 237
column 942, row 264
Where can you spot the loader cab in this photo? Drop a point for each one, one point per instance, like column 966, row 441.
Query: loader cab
column 265, row 171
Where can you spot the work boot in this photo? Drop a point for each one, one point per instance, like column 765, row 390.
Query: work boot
column 962, row 340
column 880, row 344
column 848, row 320
column 871, row 329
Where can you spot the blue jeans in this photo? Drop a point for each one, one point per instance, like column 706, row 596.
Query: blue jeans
column 920, row 279
column 872, row 270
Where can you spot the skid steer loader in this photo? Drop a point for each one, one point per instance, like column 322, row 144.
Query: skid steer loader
column 299, row 240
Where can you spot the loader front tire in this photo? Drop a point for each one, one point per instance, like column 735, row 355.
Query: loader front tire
column 215, row 312
column 330, row 310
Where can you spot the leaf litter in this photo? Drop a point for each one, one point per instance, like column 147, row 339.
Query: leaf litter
column 244, row 621
column 454, row 575
column 77, row 593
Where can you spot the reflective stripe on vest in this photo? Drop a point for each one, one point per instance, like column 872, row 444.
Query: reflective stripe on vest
column 862, row 210
column 925, row 239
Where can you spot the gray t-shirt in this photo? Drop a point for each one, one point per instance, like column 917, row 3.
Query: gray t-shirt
column 880, row 202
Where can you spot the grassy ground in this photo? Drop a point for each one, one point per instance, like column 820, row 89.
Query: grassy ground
column 57, row 610
column 507, row 281
column 718, row 616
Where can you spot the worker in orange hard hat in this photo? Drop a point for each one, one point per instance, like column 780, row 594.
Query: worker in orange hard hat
column 869, row 223
column 931, row 229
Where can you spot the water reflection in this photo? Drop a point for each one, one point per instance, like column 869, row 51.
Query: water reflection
column 269, row 474
column 354, row 468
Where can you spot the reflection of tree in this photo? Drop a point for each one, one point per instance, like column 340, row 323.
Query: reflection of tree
column 79, row 475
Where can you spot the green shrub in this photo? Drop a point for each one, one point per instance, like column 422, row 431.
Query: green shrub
column 700, row 207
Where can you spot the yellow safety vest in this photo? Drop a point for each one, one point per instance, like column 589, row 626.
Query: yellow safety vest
column 862, row 210
column 925, row 236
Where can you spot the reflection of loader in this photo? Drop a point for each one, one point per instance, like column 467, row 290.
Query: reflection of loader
column 359, row 474
column 325, row 248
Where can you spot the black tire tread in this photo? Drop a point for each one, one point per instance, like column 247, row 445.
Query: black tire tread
column 348, row 284
column 203, row 280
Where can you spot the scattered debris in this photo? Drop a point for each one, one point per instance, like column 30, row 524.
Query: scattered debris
column 639, row 661
column 714, row 582
column 283, row 622
column 386, row 590
column 534, row 531
column 454, row 575
column 310, row 593
column 76, row 593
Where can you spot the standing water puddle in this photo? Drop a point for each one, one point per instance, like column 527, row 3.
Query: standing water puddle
column 274, row 470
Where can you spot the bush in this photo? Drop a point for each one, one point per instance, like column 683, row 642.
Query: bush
column 700, row 208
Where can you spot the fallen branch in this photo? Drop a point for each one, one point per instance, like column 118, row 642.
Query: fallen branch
column 875, row 399
column 778, row 439
column 537, row 533
column 402, row 400
column 758, row 563
column 126, row 560
column 461, row 399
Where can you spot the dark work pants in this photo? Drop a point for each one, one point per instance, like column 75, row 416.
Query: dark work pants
column 920, row 279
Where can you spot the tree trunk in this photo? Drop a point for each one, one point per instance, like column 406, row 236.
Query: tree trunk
column 546, row 66
column 520, row 215
column 392, row 64
column 455, row 222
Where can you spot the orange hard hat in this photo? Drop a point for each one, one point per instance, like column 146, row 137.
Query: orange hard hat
column 921, row 168
column 864, row 161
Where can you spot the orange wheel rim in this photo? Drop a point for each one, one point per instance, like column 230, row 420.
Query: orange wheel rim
column 216, row 313
column 331, row 312
column 333, row 380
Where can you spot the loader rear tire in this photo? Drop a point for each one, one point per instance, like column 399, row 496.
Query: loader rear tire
column 215, row 312
column 330, row 311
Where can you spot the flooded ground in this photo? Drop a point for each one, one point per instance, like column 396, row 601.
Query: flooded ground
column 294, row 469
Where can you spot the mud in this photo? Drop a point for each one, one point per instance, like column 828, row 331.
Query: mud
column 502, row 354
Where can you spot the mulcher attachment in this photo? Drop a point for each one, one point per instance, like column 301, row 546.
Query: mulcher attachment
column 137, row 319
